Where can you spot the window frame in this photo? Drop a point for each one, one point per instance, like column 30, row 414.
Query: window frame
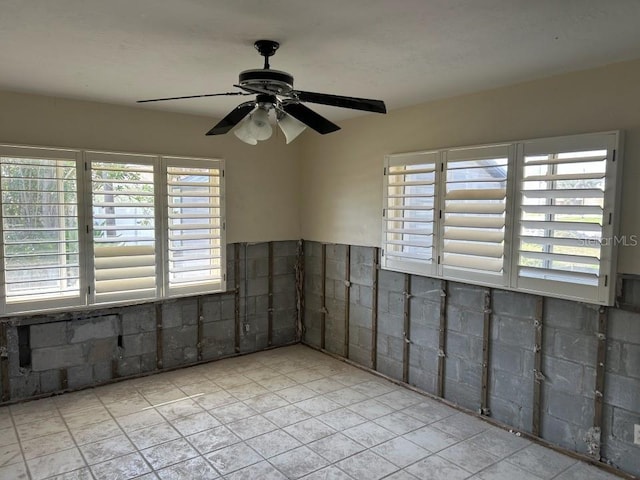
column 86, row 297
column 603, row 294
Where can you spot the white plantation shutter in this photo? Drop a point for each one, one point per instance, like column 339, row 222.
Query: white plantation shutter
column 566, row 195
column 410, row 190
column 40, row 233
column 474, row 214
column 195, row 225
column 123, row 201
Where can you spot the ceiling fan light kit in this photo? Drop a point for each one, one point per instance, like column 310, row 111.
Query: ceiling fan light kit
column 274, row 91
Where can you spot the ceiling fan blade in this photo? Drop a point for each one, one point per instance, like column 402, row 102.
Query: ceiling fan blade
column 354, row 103
column 191, row 96
column 232, row 119
column 310, row 118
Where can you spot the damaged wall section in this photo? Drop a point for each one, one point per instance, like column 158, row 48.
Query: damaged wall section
column 80, row 349
column 515, row 333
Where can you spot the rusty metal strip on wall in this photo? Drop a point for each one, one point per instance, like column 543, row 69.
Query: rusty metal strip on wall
column 603, row 321
column 347, row 299
column 4, row 363
column 236, row 279
column 323, row 299
column 159, row 336
column 270, row 307
column 200, row 319
column 406, row 334
column 538, row 376
column 300, row 317
column 442, row 339
column 486, row 338
column 374, row 308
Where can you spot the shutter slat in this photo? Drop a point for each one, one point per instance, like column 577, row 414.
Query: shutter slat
column 471, row 262
column 488, row 235
column 564, row 193
column 564, row 176
column 555, row 161
column 568, row 242
column 577, row 210
column 560, row 257
column 474, row 222
column 559, row 275
column 477, row 194
column 456, row 207
column 576, row 226
column 475, row 248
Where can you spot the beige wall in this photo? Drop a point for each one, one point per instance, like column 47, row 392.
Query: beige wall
column 262, row 186
column 342, row 173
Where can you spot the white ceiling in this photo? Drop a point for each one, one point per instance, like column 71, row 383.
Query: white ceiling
column 403, row 52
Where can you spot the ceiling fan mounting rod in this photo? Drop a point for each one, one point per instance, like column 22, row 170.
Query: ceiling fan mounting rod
column 267, row 48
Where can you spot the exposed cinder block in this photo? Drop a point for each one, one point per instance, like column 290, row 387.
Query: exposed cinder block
column 336, row 268
column 361, row 273
column 515, row 388
column 48, row 334
column 574, row 346
column 622, row 427
column 623, row 392
column 360, row 316
column 623, row 455
column 513, row 304
column 135, row 345
column 24, row 386
column 503, row 357
column 94, row 328
column 468, row 296
column 514, row 331
column 284, row 265
column 422, row 379
column 228, row 307
column 563, row 433
column 102, row 372
column 569, row 315
column 631, row 360
column 462, row 395
column 179, row 338
column 391, row 281
column 101, row 350
column 211, row 309
column 287, row 248
column 462, row 320
column 510, row 413
column 138, row 319
column 624, row 326
column 426, row 288
column 129, row 366
column 257, row 250
column 570, row 408
column 562, row 375
column 57, row 357
column 50, row 381
column 390, row 367
column 362, row 256
column 631, row 291
column 80, row 376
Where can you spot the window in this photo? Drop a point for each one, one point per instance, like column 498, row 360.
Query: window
column 566, row 216
column 537, row 216
column 408, row 227
column 81, row 228
column 474, row 214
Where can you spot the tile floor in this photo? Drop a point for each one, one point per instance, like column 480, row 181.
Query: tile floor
column 283, row 414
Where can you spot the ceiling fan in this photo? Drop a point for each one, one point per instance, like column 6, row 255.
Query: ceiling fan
column 274, row 92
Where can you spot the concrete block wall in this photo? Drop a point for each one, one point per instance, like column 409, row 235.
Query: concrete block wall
column 79, row 349
column 562, row 410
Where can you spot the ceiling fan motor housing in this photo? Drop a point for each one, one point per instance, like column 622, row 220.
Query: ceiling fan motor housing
column 276, row 81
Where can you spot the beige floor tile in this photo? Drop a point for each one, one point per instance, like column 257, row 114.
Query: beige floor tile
column 429, row 411
column 297, row 393
column 55, row 464
column 582, row 471
column 169, row 453
column 16, row 471
column 230, row 381
column 401, row 452
column 8, row 436
column 298, row 462
column 46, row 445
column 324, row 385
column 369, row 434
column 335, row 447
column 10, row 454
column 261, row 470
column 232, row 412
column 285, row 416
column 401, row 475
column 80, row 474
column 371, row 409
column 541, row 461
column 96, row 432
column 195, row 423
column 304, row 375
column 28, row 431
column 88, row 416
column 138, row 420
column 367, row 466
column 121, row 468
column 104, row 450
column 213, row 400
column 179, row 409
column 327, row 473
column 278, row 383
column 234, row 457
column 468, row 457
column 309, row 430
column 154, row 435
column 374, row 388
column 431, row 439
column 498, row 442
column 341, row 419
column 273, row 443
column 399, row 423
column 437, row 468
column 317, row 405
column 346, row 396
column 266, row 402
column 251, row 427
column 213, row 439
column 195, row 468
column 244, row 392
column 507, row 471
column 461, row 426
